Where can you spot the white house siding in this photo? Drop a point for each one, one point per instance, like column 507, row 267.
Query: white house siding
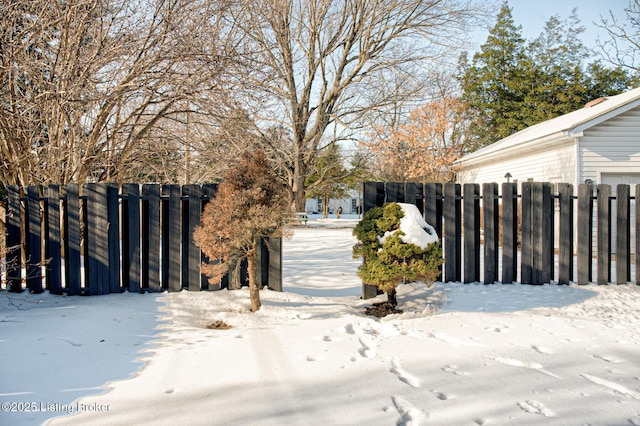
column 612, row 147
column 552, row 165
column 610, row 154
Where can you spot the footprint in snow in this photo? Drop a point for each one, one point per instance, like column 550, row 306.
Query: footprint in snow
column 523, row 364
column 607, row 358
column 454, row 370
column 409, row 414
column 542, row 350
column 440, row 395
column 402, row 374
column 535, row 407
column 612, row 386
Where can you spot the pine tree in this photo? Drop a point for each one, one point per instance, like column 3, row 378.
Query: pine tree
column 251, row 204
column 387, row 259
column 511, row 84
column 492, row 83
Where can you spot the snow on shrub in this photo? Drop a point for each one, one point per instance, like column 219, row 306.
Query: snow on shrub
column 396, row 245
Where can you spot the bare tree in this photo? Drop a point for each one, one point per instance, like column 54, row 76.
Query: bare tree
column 326, row 66
column 622, row 46
column 86, row 83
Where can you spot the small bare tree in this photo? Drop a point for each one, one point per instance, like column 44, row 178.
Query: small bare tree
column 251, row 204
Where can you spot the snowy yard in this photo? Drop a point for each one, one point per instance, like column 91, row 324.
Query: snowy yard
column 459, row 355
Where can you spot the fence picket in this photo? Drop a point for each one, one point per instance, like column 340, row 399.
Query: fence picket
column 151, row 237
column 13, row 256
column 73, row 275
column 471, row 211
column 113, row 218
column 452, row 232
column 97, row 236
column 209, row 192
column 491, row 232
column 509, row 233
column 584, row 240
column 275, row 264
column 131, row 271
column 190, row 251
column 526, row 257
column 433, row 210
column 604, row 235
column 565, row 252
column 34, row 241
column 623, row 234
column 52, row 240
column 395, row 192
column 171, row 238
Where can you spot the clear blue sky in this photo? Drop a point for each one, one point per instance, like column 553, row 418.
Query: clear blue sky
column 532, row 15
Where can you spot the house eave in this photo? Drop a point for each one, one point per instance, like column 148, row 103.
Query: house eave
column 540, row 144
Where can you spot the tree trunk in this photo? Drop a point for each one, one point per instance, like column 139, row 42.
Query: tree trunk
column 254, row 287
column 299, row 196
column 391, row 297
column 299, row 188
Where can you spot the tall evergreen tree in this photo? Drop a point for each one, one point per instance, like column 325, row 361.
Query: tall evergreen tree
column 491, row 84
column 511, row 84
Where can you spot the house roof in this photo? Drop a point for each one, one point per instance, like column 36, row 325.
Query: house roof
column 550, row 132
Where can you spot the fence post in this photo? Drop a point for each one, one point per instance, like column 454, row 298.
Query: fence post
column 14, row 240
column 151, row 237
column 491, row 232
column 34, row 241
column 509, row 233
column 584, row 263
column 604, row 235
column 97, row 235
column 52, row 239
column 623, row 235
column 565, row 255
column 452, row 232
column 471, row 210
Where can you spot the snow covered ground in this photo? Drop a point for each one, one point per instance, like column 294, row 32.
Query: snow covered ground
column 459, row 355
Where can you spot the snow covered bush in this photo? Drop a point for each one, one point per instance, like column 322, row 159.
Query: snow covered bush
column 251, row 204
column 396, row 245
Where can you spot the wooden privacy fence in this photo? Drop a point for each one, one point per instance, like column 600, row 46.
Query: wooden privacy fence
column 110, row 239
column 516, row 231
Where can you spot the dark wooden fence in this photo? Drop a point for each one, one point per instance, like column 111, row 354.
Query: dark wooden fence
column 515, row 231
column 110, row 239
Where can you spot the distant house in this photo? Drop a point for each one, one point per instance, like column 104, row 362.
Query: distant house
column 599, row 143
column 348, row 205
